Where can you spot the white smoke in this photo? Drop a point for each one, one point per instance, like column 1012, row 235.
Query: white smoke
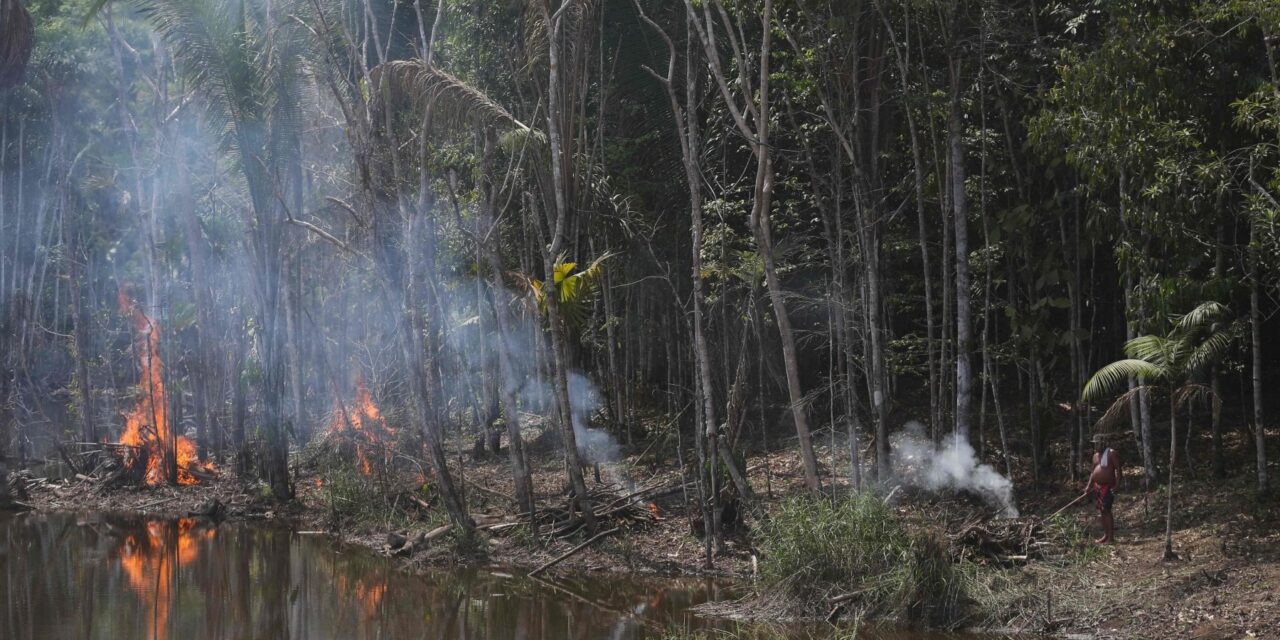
column 952, row 466
column 596, row 445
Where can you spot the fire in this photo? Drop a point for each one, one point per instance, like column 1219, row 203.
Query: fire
column 150, row 563
column 362, row 422
column 653, row 508
column 147, row 430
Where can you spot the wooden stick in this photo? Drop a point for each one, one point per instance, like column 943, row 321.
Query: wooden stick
column 572, row 551
column 1070, row 504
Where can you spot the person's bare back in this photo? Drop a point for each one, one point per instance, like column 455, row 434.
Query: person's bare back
column 1102, row 485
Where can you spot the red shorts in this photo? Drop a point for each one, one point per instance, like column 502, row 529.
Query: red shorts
column 1104, row 495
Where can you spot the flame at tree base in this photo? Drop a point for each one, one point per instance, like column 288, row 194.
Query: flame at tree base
column 147, row 431
column 363, row 424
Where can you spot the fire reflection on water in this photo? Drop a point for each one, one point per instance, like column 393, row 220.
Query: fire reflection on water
column 107, row 576
column 150, row 560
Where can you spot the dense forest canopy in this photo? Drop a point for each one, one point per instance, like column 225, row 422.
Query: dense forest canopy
column 689, row 229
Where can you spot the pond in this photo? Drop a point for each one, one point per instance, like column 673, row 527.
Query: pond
column 79, row 576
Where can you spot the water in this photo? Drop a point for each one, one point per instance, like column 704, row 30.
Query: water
column 115, row 576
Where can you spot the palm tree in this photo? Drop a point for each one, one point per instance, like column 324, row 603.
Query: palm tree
column 1170, row 364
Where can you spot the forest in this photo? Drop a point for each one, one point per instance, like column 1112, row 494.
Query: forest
column 835, row 299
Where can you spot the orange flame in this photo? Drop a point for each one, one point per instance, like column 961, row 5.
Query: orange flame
column 150, row 565
column 362, row 422
column 147, row 424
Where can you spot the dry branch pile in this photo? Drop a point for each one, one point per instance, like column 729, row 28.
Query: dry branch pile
column 1006, row 541
column 611, row 508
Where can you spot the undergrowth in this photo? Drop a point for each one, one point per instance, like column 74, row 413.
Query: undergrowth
column 813, row 550
column 1073, row 540
column 352, row 499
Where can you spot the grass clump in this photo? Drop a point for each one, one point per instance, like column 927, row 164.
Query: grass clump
column 1073, row 540
column 817, row 549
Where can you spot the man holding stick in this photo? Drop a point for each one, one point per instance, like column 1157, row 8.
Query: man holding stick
column 1102, row 485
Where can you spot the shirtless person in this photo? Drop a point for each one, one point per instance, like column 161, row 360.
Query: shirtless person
column 1102, row 485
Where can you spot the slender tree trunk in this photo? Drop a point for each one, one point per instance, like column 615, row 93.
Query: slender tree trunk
column 1215, row 382
column 239, row 399
column 510, row 384
column 1173, row 454
column 757, row 130
column 556, row 114
column 203, row 368
column 83, row 343
column 964, row 324
column 1259, row 421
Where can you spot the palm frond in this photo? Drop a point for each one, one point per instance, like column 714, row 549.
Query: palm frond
column 1204, row 315
column 576, row 287
column 450, row 98
column 1195, row 392
column 1154, row 349
column 1121, row 405
column 1210, row 350
column 1115, row 375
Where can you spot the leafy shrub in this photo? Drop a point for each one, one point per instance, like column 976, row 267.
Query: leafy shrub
column 814, row 549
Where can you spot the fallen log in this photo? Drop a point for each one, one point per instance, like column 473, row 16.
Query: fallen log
column 201, row 475
column 437, row 532
column 566, row 555
column 411, row 544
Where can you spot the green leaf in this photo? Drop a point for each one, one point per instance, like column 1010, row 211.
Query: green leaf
column 1115, row 376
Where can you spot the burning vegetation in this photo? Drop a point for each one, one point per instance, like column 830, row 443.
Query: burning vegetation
column 152, row 448
column 361, row 426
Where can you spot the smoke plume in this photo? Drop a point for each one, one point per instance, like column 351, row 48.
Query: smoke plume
column 596, row 445
column 953, row 465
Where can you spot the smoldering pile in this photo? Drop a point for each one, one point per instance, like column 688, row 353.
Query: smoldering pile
column 949, row 466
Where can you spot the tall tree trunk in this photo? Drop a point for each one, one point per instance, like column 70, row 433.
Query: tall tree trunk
column 1215, row 382
column 960, row 209
column 510, row 384
column 203, row 370
column 687, row 132
column 556, row 115
column 1173, row 455
column 239, row 399
column 83, row 342
column 1259, row 421
column 757, row 131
